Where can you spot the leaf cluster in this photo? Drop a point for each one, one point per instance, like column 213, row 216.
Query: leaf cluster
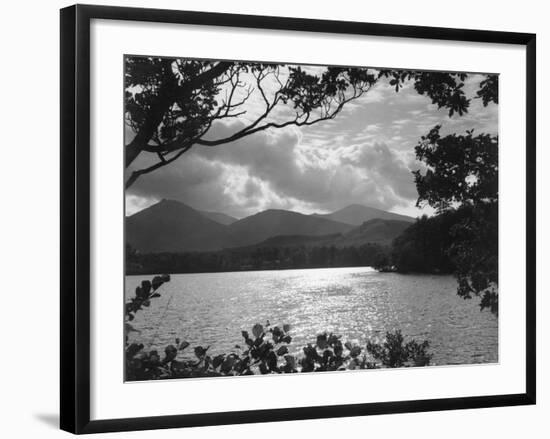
column 444, row 89
column 462, row 169
column 394, row 352
column 143, row 295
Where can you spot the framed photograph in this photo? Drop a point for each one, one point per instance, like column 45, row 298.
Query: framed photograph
column 248, row 201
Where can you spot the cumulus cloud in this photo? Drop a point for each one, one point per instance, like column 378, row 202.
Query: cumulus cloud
column 386, row 168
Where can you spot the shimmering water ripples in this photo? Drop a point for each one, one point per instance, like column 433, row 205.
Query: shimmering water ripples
column 358, row 303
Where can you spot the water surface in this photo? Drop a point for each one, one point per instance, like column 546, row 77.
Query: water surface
column 211, row 309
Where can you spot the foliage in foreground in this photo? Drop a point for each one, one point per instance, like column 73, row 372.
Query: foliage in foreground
column 265, row 351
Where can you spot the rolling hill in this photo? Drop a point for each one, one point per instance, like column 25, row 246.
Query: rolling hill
column 376, row 231
column 357, row 214
column 273, row 222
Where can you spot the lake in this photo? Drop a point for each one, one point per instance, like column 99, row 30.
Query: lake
column 359, row 303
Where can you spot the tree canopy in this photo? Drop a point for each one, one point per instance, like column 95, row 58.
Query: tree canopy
column 462, row 169
column 445, row 89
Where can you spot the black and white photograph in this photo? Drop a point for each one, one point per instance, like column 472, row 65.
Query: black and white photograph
column 301, row 218
column 220, row 200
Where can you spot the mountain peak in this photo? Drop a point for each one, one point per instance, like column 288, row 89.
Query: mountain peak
column 171, row 201
column 171, row 225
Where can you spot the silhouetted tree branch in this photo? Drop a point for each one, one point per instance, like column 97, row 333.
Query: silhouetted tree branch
column 172, row 103
column 160, row 90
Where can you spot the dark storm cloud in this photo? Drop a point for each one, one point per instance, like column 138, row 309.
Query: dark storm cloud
column 272, row 157
column 273, row 170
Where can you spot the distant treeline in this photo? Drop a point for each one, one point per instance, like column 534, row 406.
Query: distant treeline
column 258, row 258
column 428, row 246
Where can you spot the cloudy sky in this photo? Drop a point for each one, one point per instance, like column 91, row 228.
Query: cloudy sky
column 365, row 156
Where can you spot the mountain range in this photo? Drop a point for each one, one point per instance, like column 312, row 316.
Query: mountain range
column 172, row 226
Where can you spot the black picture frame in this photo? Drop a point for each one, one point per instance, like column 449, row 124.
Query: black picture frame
column 75, row 217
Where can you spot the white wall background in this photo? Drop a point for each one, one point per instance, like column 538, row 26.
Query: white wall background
column 29, row 240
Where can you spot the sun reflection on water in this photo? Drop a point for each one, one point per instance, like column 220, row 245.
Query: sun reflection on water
column 358, row 303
